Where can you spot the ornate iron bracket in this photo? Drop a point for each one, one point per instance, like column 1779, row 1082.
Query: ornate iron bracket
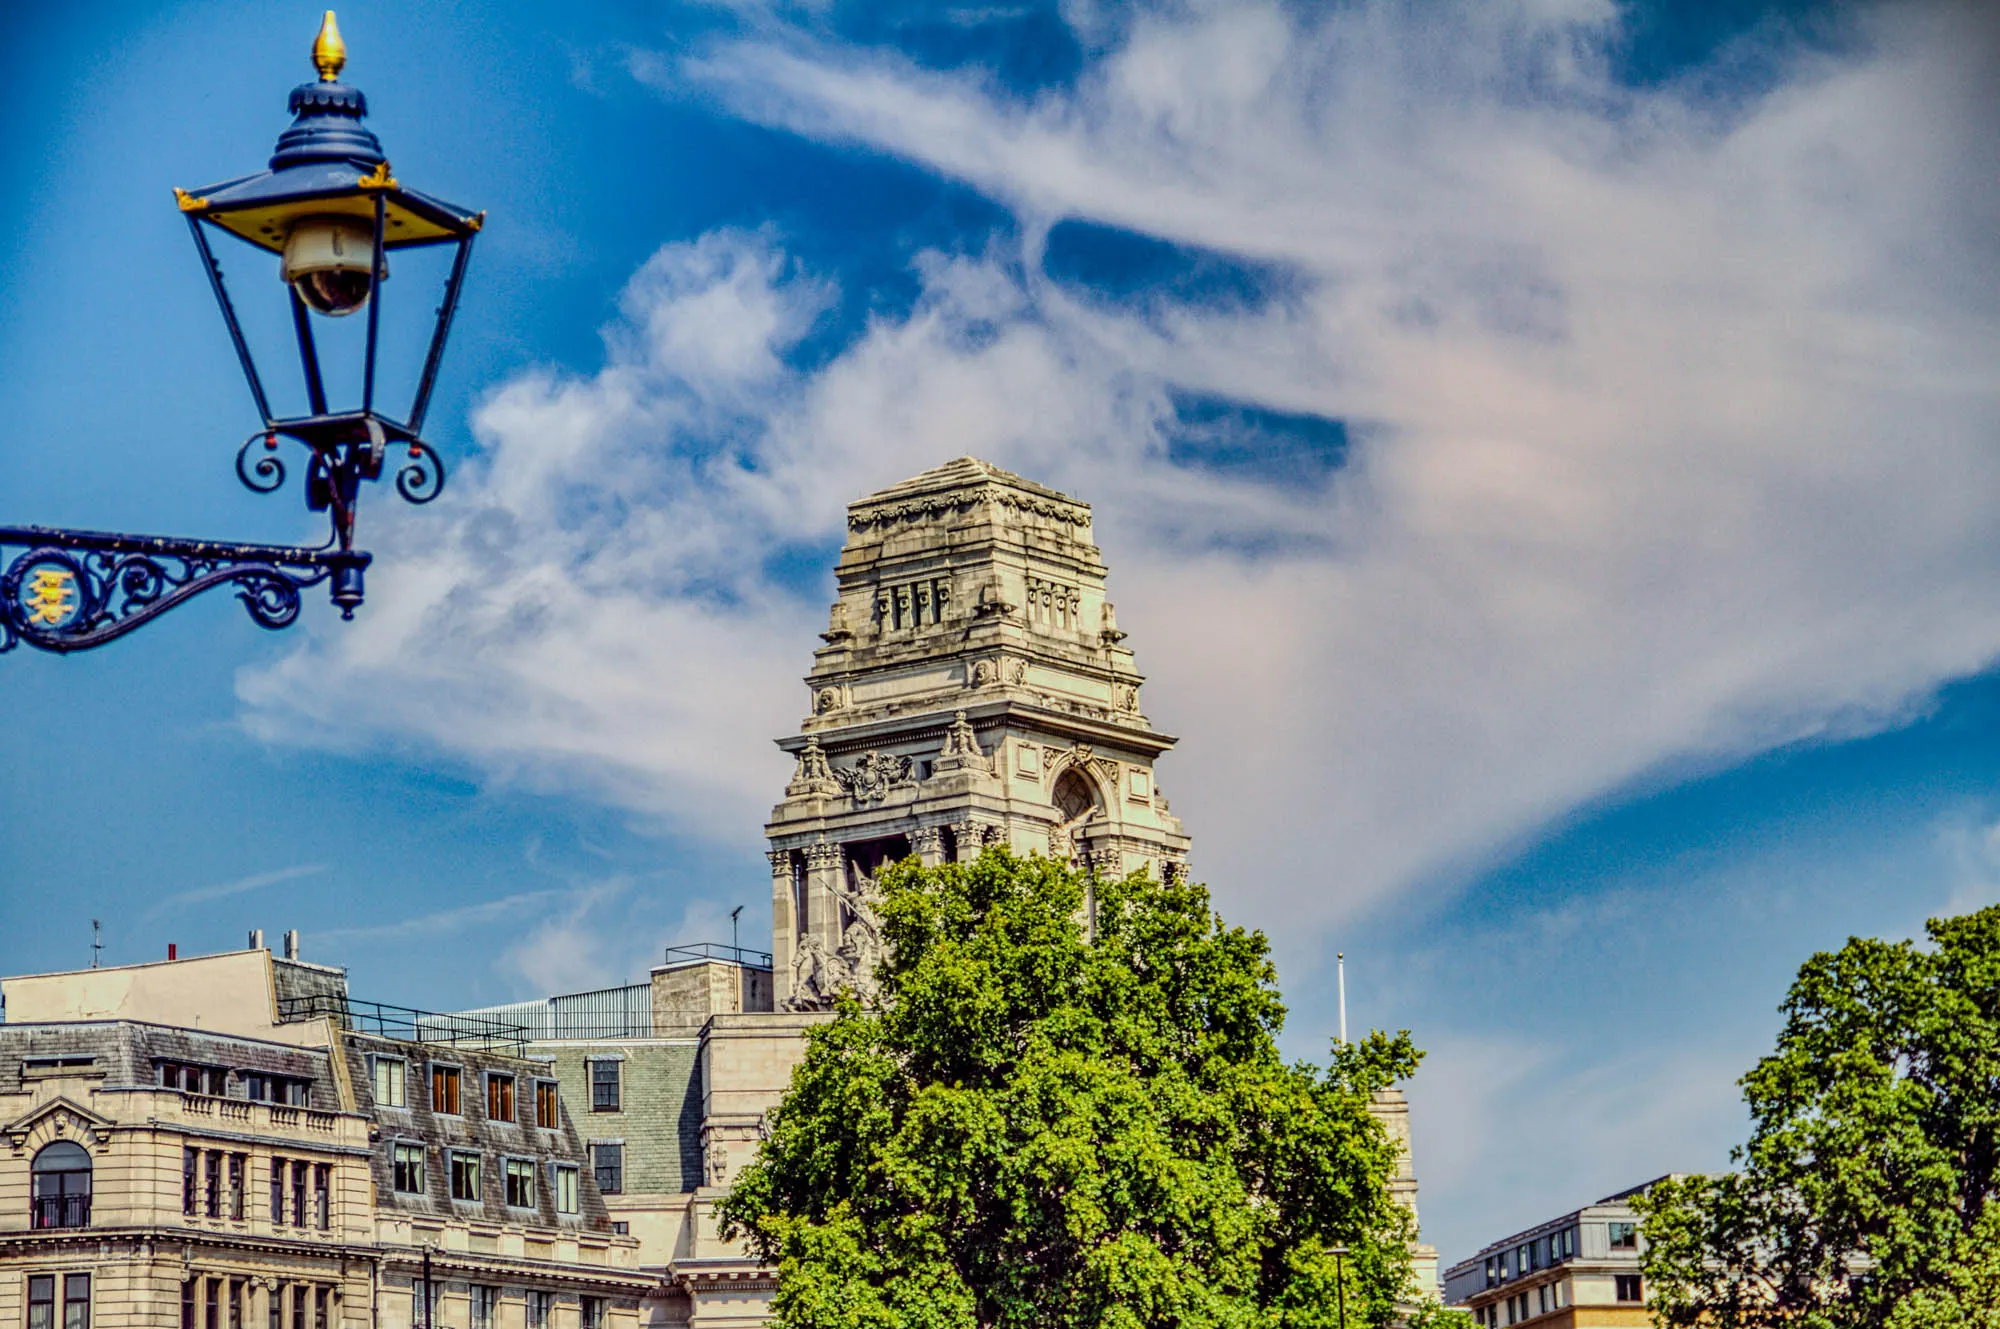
column 72, row 590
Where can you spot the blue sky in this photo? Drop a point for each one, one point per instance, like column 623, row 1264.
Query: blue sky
column 1544, row 453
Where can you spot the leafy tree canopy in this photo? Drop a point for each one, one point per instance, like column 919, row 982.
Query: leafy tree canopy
column 1044, row 1128
column 1865, row 1196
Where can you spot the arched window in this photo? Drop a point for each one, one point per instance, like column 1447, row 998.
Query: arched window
column 61, row 1174
column 1073, row 796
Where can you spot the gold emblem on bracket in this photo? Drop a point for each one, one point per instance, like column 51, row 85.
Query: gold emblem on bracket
column 51, row 597
column 379, row 178
column 188, row 202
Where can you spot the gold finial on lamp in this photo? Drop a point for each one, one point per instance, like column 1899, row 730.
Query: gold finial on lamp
column 329, row 51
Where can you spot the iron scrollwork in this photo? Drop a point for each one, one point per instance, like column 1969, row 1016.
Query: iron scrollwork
column 335, row 470
column 72, row 590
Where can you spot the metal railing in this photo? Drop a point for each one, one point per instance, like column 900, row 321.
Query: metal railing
column 478, row 1033
column 715, row 950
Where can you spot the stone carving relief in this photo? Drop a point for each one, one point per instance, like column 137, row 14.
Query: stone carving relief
column 984, row 673
column 870, row 779
column 818, row 977
column 812, row 777
column 825, row 700
column 927, row 841
column 718, row 1163
column 961, row 749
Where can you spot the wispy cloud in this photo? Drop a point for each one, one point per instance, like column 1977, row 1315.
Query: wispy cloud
column 1670, row 440
column 242, row 885
column 447, row 921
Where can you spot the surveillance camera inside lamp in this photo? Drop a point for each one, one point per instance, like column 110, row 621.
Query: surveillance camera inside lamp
column 326, row 261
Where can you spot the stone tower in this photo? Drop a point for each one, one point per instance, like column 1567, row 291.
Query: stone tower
column 974, row 689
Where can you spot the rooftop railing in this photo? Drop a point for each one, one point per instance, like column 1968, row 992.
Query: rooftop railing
column 478, row 1033
column 713, row 950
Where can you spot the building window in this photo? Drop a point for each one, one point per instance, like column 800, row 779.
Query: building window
column 566, row 1196
column 323, row 1196
column 285, row 1090
column 42, row 1301
column 547, row 1114
column 538, row 1308
column 190, row 1181
column 499, row 1096
column 520, row 1183
column 76, row 1301
column 239, row 1164
column 484, row 1301
column 1629, row 1288
column 1624, row 1236
column 620, row 1228
column 236, row 1303
column 389, row 1090
column 322, row 1297
column 590, row 1312
column 604, row 1085
column 607, row 1161
column 211, row 1190
column 465, row 1176
column 188, row 1079
column 301, row 1303
column 299, row 1173
column 444, row 1089
column 277, row 1190
column 407, row 1168
column 61, row 1185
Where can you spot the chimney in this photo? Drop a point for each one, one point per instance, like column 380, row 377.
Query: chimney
column 292, row 944
column 256, row 939
column 173, row 951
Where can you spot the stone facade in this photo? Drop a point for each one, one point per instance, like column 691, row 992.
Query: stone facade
column 973, row 688
column 233, row 1168
column 1577, row 1271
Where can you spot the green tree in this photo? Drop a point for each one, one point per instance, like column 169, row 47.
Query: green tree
column 1865, row 1196
column 1044, row 1127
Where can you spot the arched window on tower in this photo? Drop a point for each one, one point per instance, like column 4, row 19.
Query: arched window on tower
column 1074, row 796
column 61, row 1174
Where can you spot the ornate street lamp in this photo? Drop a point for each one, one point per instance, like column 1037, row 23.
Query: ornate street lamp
column 330, row 212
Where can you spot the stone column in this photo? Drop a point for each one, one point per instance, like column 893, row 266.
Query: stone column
column 824, row 864
column 928, row 842
column 782, row 923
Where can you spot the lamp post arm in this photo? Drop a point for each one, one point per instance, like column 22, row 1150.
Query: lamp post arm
column 74, row 590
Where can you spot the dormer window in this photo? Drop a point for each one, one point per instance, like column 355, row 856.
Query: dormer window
column 191, row 1079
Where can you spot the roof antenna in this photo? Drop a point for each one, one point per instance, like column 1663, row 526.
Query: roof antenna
column 1340, row 964
column 96, row 941
column 733, row 915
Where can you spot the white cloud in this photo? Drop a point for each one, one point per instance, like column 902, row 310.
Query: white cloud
column 1674, row 440
column 1674, row 435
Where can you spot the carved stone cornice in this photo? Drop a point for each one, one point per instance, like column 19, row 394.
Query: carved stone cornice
column 823, row 856
column 927, row 839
